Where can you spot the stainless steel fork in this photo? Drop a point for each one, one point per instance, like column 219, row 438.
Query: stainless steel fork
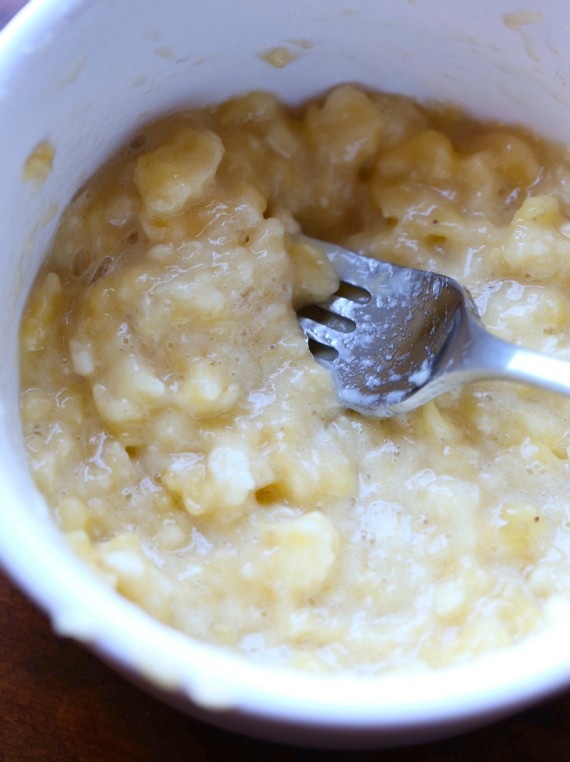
column 396, row 337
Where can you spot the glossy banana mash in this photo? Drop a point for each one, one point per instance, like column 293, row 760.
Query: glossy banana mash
column 196, row 456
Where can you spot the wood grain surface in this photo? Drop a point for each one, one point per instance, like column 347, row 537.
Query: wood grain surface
column 60, row 704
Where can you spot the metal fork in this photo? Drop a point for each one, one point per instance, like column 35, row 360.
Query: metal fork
column 396, row 337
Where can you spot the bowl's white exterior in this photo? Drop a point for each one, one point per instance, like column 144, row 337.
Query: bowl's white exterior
column 83, row 75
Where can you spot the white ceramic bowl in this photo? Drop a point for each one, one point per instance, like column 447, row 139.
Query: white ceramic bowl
column 82, row 75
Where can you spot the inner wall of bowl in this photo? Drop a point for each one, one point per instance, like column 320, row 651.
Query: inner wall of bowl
column 85, row 75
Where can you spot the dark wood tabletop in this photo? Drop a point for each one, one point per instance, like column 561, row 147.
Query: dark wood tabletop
column 60, row 704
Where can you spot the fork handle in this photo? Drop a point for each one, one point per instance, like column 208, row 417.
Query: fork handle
column 491, row 357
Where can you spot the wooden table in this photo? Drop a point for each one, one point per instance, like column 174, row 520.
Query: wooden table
column 59, row 704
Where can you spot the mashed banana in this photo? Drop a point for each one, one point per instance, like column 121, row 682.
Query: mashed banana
column 196, row 456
